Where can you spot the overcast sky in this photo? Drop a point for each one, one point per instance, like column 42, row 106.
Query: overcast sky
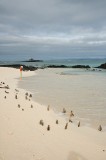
column 50, row 29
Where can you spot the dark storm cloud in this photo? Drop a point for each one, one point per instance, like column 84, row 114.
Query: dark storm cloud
column 46, row 25
column 52, row 14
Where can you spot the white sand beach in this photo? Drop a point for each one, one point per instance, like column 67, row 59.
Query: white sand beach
column 23, row 138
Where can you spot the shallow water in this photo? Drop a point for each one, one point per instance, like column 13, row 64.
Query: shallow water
column 79, row 90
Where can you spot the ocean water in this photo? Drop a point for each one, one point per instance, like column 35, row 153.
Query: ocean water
column 68, row 62
column 80, row 90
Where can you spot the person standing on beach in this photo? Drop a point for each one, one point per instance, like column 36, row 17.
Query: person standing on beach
column 21, row 68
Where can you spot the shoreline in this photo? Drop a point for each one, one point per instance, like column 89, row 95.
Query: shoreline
column 33, row 68
column 22, row 137
column 47, row 96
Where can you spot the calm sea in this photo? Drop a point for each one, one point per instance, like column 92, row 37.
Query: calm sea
column 68, row 62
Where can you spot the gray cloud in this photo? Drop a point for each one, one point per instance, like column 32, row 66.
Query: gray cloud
column 44, row 26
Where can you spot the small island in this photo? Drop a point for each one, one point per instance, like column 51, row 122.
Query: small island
column 32, row 60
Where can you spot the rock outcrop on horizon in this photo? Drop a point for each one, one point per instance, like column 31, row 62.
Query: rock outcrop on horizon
column 103, row 66
column 64, row 66
column 81, row 66
column 32, row 68
column 17, row 66
column 58, row 66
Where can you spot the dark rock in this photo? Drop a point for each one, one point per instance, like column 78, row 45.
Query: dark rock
column 57, row 66
column 30, row 95
column 19, row 106
column 64, row 110
column 16, row 97
column 57, row 121
column 79, row 124
column 17, row 66
column 41, row 122
column 64, row 66
column 16, row 90
column 6, row 92
column 48, row 128
column 70, row 121
column 100, row 128
column 32, row 68
column 5, row 87
column 26, row 93
column 48, row 108
column 81, row 66
column 71, row 114
column 103, row 66
column 66, row 126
